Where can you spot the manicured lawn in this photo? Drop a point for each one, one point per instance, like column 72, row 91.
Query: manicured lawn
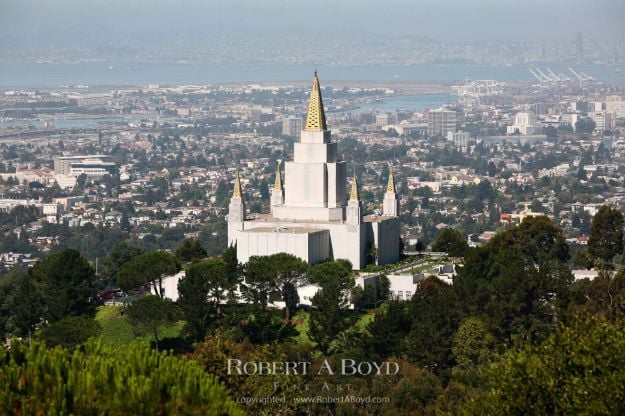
column 116, row 330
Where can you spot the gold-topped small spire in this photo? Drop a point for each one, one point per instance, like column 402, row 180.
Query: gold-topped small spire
column 354, row 195
column 237, row 192
column 278, row 184
column 390, row 187
column 315, row 117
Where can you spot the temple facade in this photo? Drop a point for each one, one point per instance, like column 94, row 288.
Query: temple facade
column 311, row 216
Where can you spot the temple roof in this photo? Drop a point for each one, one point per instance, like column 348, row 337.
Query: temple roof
column 315, row 117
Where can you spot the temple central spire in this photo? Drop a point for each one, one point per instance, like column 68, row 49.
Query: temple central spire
column 315, row 118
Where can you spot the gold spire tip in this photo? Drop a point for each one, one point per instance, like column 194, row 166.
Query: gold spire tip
column 237, row 192
column 355, row 195
column 278, row 183
column 390, row 187
column 315, row 117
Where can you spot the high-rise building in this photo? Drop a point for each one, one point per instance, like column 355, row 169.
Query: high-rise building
column 440, row 122
column 291, row 126
column 311, row 217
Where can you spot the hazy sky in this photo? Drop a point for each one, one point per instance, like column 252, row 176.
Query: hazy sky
column 448, row 20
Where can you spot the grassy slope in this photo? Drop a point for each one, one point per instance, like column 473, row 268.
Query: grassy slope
column 116, row 330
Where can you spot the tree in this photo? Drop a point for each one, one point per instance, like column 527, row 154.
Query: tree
column 148, row 313
column 330, row 303
column 69, row 332
column 257, row 281
column 81, row 182
column 583, row 259
column 122, row 252
column 472, row 345
column 280, row 273
column 550, row 132
column 21, row 303
column 150, row 268
column 101, row 379
column 451, row 242
column 585, row 125
column 579, row 370
column 66, row 280
column 606, row 234
column 190, row 250
column 604, row 295
column 435, row 318
column 201, row 291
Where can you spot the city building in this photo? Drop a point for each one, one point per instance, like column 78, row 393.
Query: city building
column 525, row 123
column 94, row 166
column 460, row 139
column 310, row 215
column 440, row 122
column 603, row 121
column 291, row 126
column 384, row 119
column 615, row 105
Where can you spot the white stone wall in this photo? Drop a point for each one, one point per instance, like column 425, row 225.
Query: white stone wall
column 305, row 185
column 311, row 247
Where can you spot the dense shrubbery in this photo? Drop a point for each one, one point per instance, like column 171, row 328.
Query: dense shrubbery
column 95, row 379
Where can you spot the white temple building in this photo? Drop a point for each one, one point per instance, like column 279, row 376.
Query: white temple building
column 310, row 215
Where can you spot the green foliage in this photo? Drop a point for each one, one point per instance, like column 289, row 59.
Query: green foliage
column 97, row 379
column 21, row 304
column 65, row 283
column 451, row 242
column 472, row 345
column 116, row 330
column 606, row 234
column 148, row 313
column 604, row 295
column 536, row 237
column 328, row 315
column 579, row 370
column 190, row 250
column 69, row 331
column 122, row 252
column 201, row 292
column 435, row 320
column 583, row 259
column 147, row 268
column 279, row 273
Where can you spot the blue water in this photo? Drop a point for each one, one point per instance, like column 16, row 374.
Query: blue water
column 47, row 75
column 418, row 102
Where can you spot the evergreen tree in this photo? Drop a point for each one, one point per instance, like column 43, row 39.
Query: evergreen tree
column 66, row 279
column 328, row 316
column 451, row 242
column 148, row 313
column 99, row 379
column 190, row 250
column 606, row 234
column 145, row 268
